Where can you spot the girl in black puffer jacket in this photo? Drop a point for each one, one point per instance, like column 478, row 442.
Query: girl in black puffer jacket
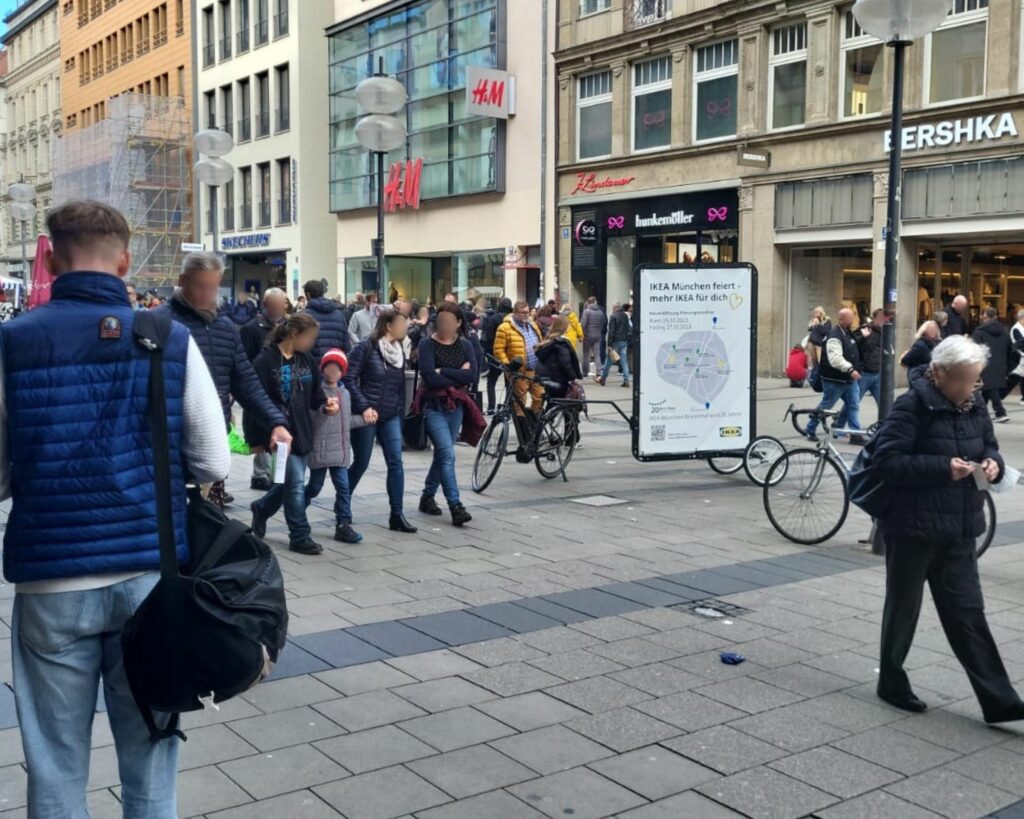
column 935, row 438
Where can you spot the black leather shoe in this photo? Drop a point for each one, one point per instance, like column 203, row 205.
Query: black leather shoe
column 398, row 523
column 260, row 484
column 259, row 521
column 346, row 534
column 1010, row 715
column 905, row 702
column 228, row 499
column 428, row 506
column 307, row 547
column 460, row 515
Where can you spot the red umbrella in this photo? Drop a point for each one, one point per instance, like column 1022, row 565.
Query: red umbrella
column 41, row 278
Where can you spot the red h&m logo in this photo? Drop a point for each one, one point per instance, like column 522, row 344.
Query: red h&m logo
column 402, row 189
column 489, row 92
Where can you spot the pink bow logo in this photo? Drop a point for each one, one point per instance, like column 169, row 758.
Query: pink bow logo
column 718, row 214
column 718, row 108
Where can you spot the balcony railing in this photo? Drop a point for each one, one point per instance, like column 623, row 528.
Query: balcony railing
column 264, row 214
column 243, row 39
column 641, row 13
column 244, row 129
column 179, row 28
column 160, row 38
column 111, row 63
column 142, row 47
column 245, row 217
column 127, row 57
column 263, row 124
column 229, row 218
column 225, row 48
column 209, row 220
column 208, row 55
column 284, row 211
column 284, row 119
column 262, row 32
column 228, row 126
column 281, row 23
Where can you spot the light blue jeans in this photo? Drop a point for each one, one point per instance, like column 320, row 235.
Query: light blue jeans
column 622, row 348
column 61, row 645
column 443, row 430
column 834, row 391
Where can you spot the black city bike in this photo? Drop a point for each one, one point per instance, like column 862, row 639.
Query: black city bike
column 548, row 439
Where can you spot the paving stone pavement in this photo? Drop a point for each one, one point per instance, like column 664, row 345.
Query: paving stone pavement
column 478, row 674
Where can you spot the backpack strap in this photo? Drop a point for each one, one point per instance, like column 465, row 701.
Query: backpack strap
column 152, row 330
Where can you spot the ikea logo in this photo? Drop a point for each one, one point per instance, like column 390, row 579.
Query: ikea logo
column 730, row 432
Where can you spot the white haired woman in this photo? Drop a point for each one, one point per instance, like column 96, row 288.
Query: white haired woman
column 927, row 451
column 928, row 335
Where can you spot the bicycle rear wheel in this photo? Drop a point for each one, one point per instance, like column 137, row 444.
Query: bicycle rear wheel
column 809, row 502
column 556, row 443
column 761, row 456
column 985, row 540
column 726, row 466
column 489, row 453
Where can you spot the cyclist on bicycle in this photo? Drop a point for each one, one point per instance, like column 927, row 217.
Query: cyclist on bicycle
column 518, row 337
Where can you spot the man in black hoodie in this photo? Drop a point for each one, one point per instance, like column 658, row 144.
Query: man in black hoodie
column 992, row 333
column 489, row 329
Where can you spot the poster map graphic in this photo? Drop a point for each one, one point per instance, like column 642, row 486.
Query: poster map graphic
column 696, row 355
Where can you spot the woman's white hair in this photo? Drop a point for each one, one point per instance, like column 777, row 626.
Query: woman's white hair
column 924, row 328
column 957, row 350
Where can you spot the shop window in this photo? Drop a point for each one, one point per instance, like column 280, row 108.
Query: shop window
column 788, row 89
column 715, row 83
column 843, row 200
column 652, row 104
column 594, row 116
column 860, row 71
column 955, row 53
column 594, row 6
column 210, row 107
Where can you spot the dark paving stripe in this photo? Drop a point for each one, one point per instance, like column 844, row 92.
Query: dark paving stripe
column 1015, row 811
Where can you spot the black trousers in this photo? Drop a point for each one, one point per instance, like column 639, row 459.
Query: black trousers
column 993, row 397
column 493, row 374
column 951, row 569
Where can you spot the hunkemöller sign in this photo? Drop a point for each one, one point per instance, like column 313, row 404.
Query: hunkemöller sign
column 955, row 131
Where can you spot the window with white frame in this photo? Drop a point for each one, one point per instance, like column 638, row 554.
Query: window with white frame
column 652, row 104
column 956, row 53
column 594, row 6
column 860, row 71
column 716, row 72
column 788, row 63
column 594, row 116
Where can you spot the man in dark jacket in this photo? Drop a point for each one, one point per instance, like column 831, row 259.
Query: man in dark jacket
column 840, row 372
column 869, row 346
column 993, row 334
column 488, row 331
column 243, row 311
column 218, row 339
column 958, row 315
column 619, row 333
column 254, row 337
column 330, row 316
column 594, row 324
column 926, row 454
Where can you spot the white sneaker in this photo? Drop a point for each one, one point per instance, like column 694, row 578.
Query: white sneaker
column 1001, row 419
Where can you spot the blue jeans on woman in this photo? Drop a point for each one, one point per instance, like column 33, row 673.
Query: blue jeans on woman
column 389, row 435
column 622, row 348
column 61, row 645
column 443, row 430
column 292, row 496
column 342, row 494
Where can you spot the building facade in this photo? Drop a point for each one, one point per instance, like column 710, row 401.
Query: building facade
column 272, row 220
column 756, row 131
column 469, row 198
column 33, row 105
column 114, row 47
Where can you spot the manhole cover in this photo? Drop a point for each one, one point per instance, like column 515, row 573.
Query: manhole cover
column 711, row 608
column 599, row 500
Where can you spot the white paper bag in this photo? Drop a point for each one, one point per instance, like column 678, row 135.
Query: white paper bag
column 1009, row 482
column 280, row 462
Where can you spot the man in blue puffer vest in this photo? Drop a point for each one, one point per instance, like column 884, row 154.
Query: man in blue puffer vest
column 220, row 341
column 81, row 543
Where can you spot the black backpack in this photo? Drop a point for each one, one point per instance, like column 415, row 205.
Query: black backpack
column 213, row 629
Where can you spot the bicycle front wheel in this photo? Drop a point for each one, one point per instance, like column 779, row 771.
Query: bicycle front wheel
column 725, row 466
column 761, row 456
column 989, row 509
column 805, row 496
column 489, row 453
column 556, row 443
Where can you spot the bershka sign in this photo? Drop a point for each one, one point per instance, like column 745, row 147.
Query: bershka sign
column 678, row 217
column 956, row 131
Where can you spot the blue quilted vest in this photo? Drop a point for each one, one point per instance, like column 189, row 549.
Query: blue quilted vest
column 81, row 458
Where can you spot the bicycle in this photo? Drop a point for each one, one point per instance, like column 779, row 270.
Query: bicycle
column 548, row 439
column 807, row 487
column 756, row 459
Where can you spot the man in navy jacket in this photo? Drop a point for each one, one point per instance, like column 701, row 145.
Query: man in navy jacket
column 81, row 543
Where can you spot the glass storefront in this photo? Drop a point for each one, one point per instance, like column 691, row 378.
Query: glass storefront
column 828, row 277
column 429, row 278
column 990, row 275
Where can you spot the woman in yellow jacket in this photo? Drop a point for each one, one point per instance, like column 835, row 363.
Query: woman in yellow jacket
column 574, row 334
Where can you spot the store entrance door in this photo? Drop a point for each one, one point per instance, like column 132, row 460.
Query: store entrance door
column 943, row 272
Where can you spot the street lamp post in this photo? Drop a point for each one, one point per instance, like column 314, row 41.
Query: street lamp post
column 213, row 170
column 898, row 23
column 22, row 209
column 380, row 131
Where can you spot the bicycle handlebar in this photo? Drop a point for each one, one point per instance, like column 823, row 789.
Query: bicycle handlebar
column 794, row 414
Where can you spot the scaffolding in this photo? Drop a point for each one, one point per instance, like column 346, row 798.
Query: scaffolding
column 137, row 160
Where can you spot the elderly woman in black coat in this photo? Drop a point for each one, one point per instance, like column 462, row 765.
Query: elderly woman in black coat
column 935, row 438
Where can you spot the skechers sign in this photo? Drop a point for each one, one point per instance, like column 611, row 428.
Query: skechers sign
column 956, row 131
column 246, row 241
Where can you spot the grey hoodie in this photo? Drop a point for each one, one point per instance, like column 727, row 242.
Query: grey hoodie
column 331, row 446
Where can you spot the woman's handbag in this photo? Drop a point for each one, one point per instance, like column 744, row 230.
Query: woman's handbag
column 213, row 628
column 613, row 354
column 414, row 425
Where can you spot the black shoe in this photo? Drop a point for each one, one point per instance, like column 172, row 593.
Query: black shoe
column 858, row 440
column 491, row 412
column 460, row 515
column 428, row 506
column 625, row 383
column 398, row 523
column 259, row 521
column 346, row 534
column 906, row 702
column 1011, row 715
column 307, row 547
column 227, row 500
column 260, row 484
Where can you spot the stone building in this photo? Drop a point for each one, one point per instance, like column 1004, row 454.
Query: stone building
column 755, row 130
